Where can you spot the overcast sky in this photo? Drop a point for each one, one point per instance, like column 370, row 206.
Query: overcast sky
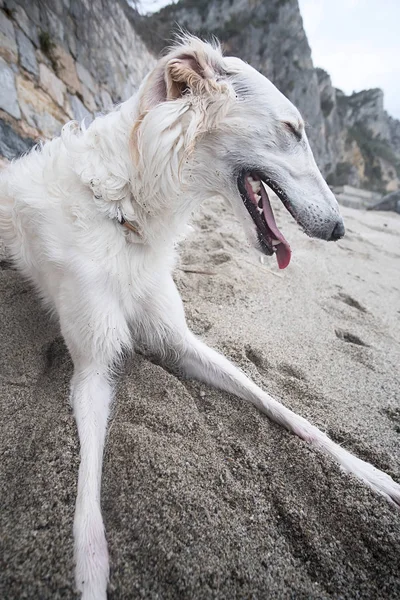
column 356, row 41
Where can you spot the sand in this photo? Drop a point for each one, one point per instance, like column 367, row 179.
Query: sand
column 203, row 497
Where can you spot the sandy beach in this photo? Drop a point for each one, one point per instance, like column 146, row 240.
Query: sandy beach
column 203, row 497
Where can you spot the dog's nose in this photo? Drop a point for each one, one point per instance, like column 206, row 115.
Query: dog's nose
column 338, row 232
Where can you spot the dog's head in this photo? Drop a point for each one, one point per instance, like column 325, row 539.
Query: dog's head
column 212, row 125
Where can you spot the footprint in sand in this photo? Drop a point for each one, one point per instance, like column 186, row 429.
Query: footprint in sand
column 287, row 369
column 351, row 338
column 295, row 384
column 257, row 358
column 350, row 301
column 292, row 380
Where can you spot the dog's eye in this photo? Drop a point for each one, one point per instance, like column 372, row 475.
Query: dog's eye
column 293, row 129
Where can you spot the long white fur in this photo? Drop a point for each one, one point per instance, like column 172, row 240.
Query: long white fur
column 153, row 160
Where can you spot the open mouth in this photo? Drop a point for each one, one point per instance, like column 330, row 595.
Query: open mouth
column 255, row 199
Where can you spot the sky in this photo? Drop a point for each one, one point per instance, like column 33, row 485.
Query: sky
column 356, row 41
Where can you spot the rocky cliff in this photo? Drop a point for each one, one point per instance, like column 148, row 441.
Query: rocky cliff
column 354, row 140
column 63, row 59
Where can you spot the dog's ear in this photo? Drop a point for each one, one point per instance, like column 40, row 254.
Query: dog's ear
column 192, row 67
column 184, row 96
column 188, row 73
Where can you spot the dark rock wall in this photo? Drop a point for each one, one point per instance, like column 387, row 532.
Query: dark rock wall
column 62, row 60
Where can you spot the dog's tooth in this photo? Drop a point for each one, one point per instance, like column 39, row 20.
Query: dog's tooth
column 255, row 186
column 257, row 197
column 250, row 179
column 276, row 242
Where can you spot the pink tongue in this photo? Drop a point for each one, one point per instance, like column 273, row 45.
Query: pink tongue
column 283, row 252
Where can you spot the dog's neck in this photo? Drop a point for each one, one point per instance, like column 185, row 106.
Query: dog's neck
column 103, row 161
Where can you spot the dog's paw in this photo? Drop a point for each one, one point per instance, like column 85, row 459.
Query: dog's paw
column 377, row 480
column 91, row 556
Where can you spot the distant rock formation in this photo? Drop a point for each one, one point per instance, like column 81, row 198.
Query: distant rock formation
column 389, row 202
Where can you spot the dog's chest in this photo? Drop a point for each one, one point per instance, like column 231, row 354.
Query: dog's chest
column 137, row 277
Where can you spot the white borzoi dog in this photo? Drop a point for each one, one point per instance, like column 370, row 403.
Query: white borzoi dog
column 92, row 219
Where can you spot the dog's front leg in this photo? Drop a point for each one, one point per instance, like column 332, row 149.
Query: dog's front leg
column 203, row 363
column 91, row 396
column 199, row 361
column 95, row 333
